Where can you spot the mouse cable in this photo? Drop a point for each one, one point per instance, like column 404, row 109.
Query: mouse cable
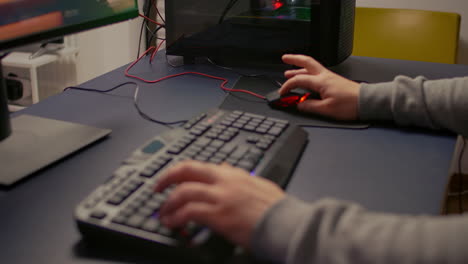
column 222, row 86
column 135, row 102
column 278, row 83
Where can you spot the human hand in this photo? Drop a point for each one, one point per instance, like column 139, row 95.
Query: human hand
column 226, row 199
column 339, row 96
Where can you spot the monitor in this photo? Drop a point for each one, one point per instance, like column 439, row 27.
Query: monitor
column 25, row 22
column 260, row 30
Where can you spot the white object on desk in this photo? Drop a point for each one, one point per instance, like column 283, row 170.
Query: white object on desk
column 49, row 72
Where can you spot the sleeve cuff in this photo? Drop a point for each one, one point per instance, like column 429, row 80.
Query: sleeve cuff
column 275, row 231
column 375, row 101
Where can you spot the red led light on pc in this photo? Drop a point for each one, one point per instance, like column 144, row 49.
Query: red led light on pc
column 277, row 4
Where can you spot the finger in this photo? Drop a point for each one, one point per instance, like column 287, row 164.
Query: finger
column 312, row 66
column 291, row 73
column 187, row 171
column 200, row 213
column 188, row 192
column 304, row 81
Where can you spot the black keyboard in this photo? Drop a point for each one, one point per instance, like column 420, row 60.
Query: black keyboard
column 124, row 209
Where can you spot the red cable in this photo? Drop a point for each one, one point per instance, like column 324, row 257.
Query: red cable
column 156, row 50
column 225, row 81
column 151, row 20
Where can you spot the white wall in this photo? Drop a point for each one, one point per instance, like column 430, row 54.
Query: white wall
column 457, row 6
column 104, row 49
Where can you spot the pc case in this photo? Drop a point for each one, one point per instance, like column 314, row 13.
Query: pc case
column 260, row 30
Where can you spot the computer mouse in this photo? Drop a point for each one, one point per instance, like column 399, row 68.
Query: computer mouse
column 291, row 99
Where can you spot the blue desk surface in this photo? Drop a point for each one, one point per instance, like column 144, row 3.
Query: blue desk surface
column 383, row 168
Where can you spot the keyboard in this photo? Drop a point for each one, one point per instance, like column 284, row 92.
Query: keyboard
column 124, row 209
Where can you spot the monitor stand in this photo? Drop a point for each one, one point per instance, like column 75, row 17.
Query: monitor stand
column 37, row 142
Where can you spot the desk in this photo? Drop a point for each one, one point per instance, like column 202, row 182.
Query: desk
column 385, row 169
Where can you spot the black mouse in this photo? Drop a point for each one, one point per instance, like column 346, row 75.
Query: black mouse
column 291, row 99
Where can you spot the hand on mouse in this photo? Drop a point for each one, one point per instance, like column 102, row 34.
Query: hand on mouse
column 226, row 199
column 339, row 96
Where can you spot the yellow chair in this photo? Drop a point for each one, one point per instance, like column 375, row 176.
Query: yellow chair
column 406, row 34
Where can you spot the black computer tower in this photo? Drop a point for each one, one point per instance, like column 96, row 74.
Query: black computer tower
column 260, row 30
column 336, row 35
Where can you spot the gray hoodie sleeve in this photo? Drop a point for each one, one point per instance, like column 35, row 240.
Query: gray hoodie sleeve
column 332, row 231
column 437, row 104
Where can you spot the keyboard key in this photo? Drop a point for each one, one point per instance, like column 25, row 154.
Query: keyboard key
column 210, row 148
column 206, row 154
column 202, row 142
column 253, row 139
column 196, row 131
column 120, row 219
column 262, row 145
column 215, row 160
column 238, row 125
column 201, row 158
column 220, row 155
column 226, row 137
column 153, row 205
column 246, row 164
column 239, row 152
column 253, row 123
column 237, row 113
column 244, row 118
column 276, row 120
column 227, row 122
column 211, row 135
column 151, row 225
column 228, row 149
column 249, row 127
column 147, row 173
column 135, row 221
column 255, row 116
column 153, row 147
column 127, row 211
column 116, row 200
column 98, row 214
column 145, row 211
column 164, row 231
column 275, row 131
column 217, row 144
column 231, row 161
column 176, row 149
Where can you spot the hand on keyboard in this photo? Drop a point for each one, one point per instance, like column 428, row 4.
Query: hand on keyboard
column 226, row 199
column 204, row 196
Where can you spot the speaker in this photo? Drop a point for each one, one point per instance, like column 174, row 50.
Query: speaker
column 18, row 90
